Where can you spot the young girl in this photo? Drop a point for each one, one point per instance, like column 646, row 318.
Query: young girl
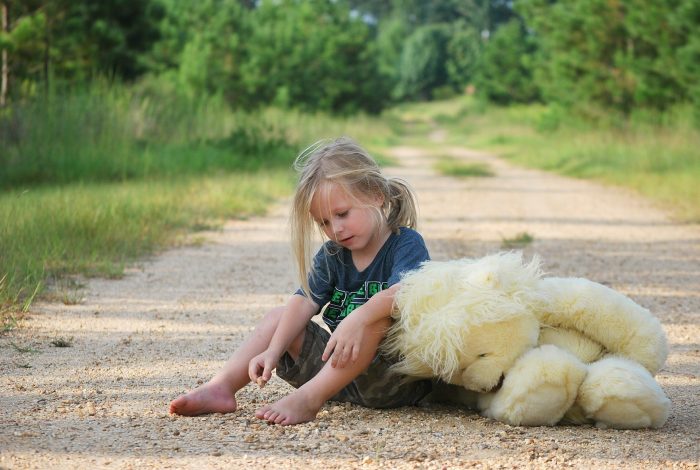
column 369, row 222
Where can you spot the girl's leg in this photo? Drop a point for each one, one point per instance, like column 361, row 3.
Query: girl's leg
column 303, row 404
column 218, row 395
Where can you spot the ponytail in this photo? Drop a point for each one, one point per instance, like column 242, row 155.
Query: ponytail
column 403, row 210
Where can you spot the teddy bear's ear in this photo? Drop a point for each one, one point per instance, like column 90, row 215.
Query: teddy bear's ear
column 505, row 272
column 485, row 279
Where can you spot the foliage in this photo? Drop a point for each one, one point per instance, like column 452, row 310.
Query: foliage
column 314, row 55
column 685, row 20
column 463, row 51
column 390, row 41
column 202, row 47
column 618, row 55
column 70, row 40
column 423, row 60
column 342, row 56
column 517, row 242
column 107, row 132
column 505, row 72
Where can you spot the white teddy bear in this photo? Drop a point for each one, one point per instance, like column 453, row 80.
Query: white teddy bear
column 530, row 350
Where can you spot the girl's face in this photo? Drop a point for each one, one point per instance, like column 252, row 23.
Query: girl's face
column 352, row 222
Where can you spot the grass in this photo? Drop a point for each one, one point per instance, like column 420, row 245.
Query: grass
column 47, row 233
column 106, row 134
column 95, row 178
column 453, row 167
column 9, row 321
column 22, row 349
column 62, row 342
column 520, row 240
column 657, row 156
column 113, row 133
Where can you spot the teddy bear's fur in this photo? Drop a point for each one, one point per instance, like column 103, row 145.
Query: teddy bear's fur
column 534, row 350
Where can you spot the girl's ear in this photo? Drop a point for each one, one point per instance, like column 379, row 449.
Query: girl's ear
column 378, row 199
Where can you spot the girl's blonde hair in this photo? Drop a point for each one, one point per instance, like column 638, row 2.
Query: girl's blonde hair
column 342, row 161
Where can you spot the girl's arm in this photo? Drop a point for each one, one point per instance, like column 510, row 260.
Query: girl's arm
column 297, row 314
column 344, row 344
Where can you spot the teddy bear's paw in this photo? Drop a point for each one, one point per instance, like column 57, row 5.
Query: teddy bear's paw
column 538, row 389
column 619, row 393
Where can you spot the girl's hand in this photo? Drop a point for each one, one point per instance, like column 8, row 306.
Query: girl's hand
column 260, row 367
column 343, row 347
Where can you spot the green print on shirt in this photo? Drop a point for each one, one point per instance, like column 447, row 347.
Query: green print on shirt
column 342, row 303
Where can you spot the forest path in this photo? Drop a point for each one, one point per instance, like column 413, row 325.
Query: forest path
column 171, row 323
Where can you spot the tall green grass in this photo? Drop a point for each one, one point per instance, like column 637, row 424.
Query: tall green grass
column 98, row 228
column 111, row 132
column 97, row 177
column 115, row 133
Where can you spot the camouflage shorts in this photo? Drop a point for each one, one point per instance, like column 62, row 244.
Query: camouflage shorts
column 376, row 387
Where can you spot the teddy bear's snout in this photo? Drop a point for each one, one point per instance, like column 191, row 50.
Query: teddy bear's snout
column 483, row 376
column 499, row 384
column 494, row 388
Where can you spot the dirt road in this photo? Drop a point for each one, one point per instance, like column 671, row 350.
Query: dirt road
column 171, row 323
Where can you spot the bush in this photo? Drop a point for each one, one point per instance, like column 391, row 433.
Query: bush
column 505, row 73
column 422, row 66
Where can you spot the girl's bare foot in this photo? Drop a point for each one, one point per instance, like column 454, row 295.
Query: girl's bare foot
column 209, row 398
column 295, row 408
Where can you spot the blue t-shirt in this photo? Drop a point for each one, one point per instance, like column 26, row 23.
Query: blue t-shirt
column 336, row 282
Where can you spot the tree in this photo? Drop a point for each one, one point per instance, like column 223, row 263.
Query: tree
column 618, row 55
column 685, row 21
column 423, row 62
column 312, row 54
column 427, row 45
column 24, row 45
column 505, row 72
column 392, row 33
column 4, row 45
column 463, row 51
column 71, row 40
column 117, row 33
column 202, row 44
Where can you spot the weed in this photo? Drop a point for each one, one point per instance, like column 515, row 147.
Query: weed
column 9, row 321
column 453, row 167
column 518, row 241
column 657, row 158
column 28, row 301
column 195, row 241
column 22, row 349
column 500, row 139
column 72, row 298
column 62, row 342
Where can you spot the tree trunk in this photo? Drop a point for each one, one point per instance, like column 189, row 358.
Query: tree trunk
column 47, row 54
column 5, row 66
